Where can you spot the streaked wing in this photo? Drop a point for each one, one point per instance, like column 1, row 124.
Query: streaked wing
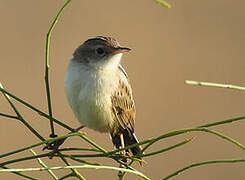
column 123, row 107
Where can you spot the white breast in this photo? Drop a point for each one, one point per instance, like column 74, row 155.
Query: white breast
column 88, row 93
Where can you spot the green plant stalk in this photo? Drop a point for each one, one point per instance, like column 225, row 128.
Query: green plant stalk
column 9, row 116
column 173, row 133
column 221, row 122
column 73, row 157
column 150, row 142
column 47, row 66
column 20, row 117
column 44, row 165
column 167, row 149
column 209, row 84
column 24, row 159
column 35, row 109
column 67, row 176
column 158, row 152
column 105, row 152
column 72, row 130
column 77, row 167
column 203, row 163
column 38, row 144
column 181, row 131
column 74, row 171
column 79, row 160
column 79, row 149
column 163, row 3
column 20, row 174
column 93, row 143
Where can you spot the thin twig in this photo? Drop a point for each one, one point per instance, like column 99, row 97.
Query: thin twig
column 47, row 66
column 229, row 86
column 74, row 171
column 20, row 174
column 158, row 152
column 9, row 116
column 44, row 165
column 93, row 143
column 181, row 131
column 77, row 167
column 79, row 149
column 203, row 163
column 167, row 149
column 41, row 113
column 20, row 116
column 222, row 122
column 38, row 144
column 67, row 176
column 80, row 160
column 163, row 3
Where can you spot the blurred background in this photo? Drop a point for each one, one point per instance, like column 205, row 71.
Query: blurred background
column 195, row 40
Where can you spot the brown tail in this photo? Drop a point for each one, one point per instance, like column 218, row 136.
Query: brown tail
column 129, row 139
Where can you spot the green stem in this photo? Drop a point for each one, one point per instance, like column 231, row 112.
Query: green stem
column 9, row 116
column 38, row 144
column 166, row 149
column 74, row 171
column 77, row 167
column 35, row 109
column 24, row 159
column 222, row 122
column 229, row 86
column 93, row 143
column 67, row 176
column 158, row 152
column 181, row 131
column 79, row 149
column 203, row 163
column 163, row 3
column 44, row 165
column 80, row 160
column 20, row 117
column 47, row 66
column 20, row 174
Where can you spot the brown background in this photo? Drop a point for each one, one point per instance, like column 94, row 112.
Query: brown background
column 198, row 40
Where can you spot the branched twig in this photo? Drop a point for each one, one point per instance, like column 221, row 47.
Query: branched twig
column 181, row 131
column 38, row 144
column 73, row 169
column 19, row 116
column 35, row 109
column 44, row 165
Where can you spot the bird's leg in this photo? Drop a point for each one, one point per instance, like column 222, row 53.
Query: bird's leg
column 123, row 152
column 54, row 145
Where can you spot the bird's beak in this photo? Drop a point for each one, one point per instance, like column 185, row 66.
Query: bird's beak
column 121, row 50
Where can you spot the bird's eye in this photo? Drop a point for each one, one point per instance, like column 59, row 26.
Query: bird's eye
column 100, row 51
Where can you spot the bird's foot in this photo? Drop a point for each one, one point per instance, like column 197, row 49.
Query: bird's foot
column 125, row 160
column 54, row 145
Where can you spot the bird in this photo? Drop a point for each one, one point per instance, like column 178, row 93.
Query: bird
column 99, row 93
